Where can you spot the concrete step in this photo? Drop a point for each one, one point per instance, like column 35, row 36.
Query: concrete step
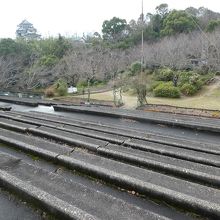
column 155, row 117
column 109, row 133
column 32, row 144
column 62, row 197
column 188, row 170
column 159, row 208
column 181, row 153
column 171, row 166
column 69, row 138
column 15, row 125
column 94, row 144
column 19, row 101
column 202, row 199
column 195, row 196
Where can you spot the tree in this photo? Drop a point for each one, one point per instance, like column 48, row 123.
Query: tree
column 212, row 25
column 162, row 10
column 178, row 22
column 27, row 31
column 115, row 29
column 12, row 47
column 10, row 69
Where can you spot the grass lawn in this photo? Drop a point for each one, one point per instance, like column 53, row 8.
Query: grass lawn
column 208, row 98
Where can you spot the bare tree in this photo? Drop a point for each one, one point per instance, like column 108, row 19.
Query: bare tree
column 10, row 69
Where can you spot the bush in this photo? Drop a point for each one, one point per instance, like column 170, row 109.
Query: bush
column 135, row 68
column 194, row 78
column 166, row 90
column 164, row 74
column 188, row 89
column 190, row 77
column 62, row 90
column 154, row 85
column 50, row 92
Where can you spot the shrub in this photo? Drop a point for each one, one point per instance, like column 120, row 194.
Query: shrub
column 135, row 68
column 154, row 85
column 188, row 89
column 166, row 90
column 50, row 92
column 193, row 78
column 164, row 74
column 62, row 90
column 61, row 87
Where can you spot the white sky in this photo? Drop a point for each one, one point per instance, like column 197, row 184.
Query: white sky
column 68, row 17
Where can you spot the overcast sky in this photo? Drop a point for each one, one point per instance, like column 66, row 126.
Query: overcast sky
column 68, row 17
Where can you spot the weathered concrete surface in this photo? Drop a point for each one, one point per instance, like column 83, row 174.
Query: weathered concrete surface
column 177, row 167
column 15, row 125
column 66, row 199
column 141, row 180
column 199, row 123
column 191, row 195
column 180, row 171
column 110, row 133
column 11, row 208
column 186, row 154
column 146, row 204
column 72, row 139
column 184, row 169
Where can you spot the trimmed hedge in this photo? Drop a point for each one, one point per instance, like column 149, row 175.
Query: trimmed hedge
column 166, row 90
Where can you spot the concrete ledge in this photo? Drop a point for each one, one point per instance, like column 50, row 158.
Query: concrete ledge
column 72, row 139
column 179, row 171
column 12, row 127
column 19, row 101
column 50, row 203
column 29, row 148
column 180, row 153
column 141, row 116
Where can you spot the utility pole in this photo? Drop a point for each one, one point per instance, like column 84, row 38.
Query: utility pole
column 141, row 89
column 142, row 36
